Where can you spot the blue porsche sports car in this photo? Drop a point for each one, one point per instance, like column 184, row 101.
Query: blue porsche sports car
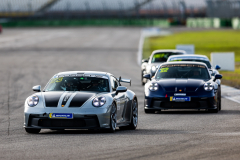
column 182, row 85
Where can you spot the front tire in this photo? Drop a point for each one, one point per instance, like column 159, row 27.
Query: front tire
column 220, row 99
column 32, row 130
column 134, row 117
column 143, row 83
column 113, row 119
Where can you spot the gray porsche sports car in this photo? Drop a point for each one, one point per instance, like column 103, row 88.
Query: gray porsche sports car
column 81, row 100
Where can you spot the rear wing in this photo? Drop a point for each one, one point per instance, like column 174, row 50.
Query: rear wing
column 124, row 80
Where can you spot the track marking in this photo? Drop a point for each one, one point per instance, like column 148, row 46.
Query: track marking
column 230, row 98
column 8, row 101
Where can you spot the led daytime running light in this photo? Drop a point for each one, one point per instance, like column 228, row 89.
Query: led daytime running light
column 208, row 86
column 153, row 87
column 99, row 101
column 154, row 68
column 33, row 101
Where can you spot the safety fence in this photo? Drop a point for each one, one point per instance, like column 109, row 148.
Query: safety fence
column 88, row 22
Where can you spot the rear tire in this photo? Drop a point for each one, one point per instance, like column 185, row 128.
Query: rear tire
column 134, row 117
column 32, row 130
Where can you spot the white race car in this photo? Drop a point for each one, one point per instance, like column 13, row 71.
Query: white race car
column 157, row 58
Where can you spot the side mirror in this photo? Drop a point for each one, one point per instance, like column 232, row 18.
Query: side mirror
column 37, row 88
column 121, row 89
column 217, row 67
column 145, row 61
column 218, row 76
column 147, row 76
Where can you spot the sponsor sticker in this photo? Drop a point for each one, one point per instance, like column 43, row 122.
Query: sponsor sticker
column 61, row 115
column 56, row 80
column 163, row 69
column 180, row 99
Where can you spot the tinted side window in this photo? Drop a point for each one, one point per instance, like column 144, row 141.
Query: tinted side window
column 114, row 83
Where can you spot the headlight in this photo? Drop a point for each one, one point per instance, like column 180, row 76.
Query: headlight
column 99, row 101
column 33, row 100
column 153, row 87
column 208, row 86
column 153, row 68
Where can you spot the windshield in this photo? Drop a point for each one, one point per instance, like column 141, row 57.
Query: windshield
column 163, row 56
column 183, row 71
column 78, row 84
column 192, row 60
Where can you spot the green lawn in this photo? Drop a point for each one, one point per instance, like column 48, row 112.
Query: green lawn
column 205, row 42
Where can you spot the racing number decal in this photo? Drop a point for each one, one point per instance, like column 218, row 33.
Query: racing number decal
column 57, row 80
column 163, row 69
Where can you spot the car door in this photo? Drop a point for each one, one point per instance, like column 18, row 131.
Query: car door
column 120, row 99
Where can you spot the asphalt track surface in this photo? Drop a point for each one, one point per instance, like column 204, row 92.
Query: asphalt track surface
column 30, row 57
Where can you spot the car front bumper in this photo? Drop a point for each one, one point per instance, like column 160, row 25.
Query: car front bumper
column 164, row 103
column 82, row 119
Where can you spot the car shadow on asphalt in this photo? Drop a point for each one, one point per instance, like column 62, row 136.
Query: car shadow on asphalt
column 182, row 112
column 74, row 131
column 141, row 131
column 223, row 111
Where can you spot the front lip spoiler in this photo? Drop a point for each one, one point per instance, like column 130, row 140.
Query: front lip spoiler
column 37, row 127
column 159, row 108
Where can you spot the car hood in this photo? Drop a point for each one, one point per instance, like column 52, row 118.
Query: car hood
column 181, row 85
column 71, row 99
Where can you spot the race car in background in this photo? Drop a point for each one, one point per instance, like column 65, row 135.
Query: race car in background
column 199, row 58
column 182, row 85
column 157, row 57
column 81, row 100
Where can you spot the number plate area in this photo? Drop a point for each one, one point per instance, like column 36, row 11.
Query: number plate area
column 180, row 99
column 61, row 115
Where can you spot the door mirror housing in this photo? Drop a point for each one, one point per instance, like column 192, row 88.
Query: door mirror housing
column 217, row 67
column 218, row 76
column 147, row 76
column 37, row 88
column 145, row 61
column 121, row 89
